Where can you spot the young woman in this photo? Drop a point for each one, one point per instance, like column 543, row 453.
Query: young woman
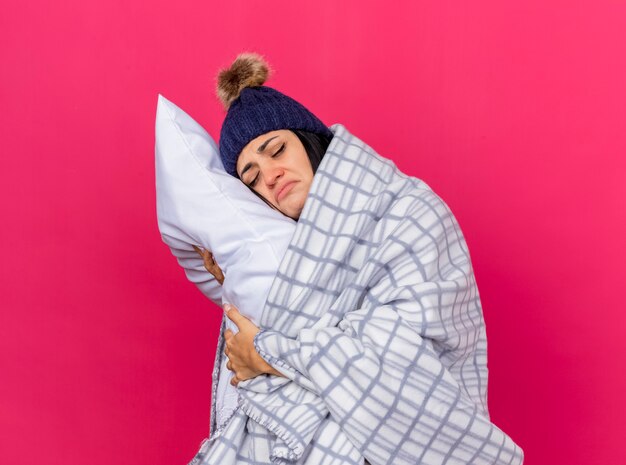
column 376, row 323
column 278, row 166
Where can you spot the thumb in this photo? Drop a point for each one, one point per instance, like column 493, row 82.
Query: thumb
column 233, row 314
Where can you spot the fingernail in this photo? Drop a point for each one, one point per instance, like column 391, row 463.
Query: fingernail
column 226, row 307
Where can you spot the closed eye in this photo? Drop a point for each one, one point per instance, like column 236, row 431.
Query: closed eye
column 280, row 150
column 253, row 182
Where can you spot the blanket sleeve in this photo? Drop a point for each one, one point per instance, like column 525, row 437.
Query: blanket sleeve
column 384, row 370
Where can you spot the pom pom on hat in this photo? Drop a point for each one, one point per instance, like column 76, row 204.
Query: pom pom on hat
column 248, row 70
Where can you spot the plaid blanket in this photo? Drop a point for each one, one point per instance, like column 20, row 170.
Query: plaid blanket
column 375, row 318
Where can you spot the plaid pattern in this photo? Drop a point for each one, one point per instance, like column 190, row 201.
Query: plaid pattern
column 376, row 320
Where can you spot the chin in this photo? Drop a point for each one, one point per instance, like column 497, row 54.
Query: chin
column 293, row 213
column 294, row 209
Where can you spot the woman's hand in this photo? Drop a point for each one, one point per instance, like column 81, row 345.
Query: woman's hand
column 210, row 264
column 243, row 359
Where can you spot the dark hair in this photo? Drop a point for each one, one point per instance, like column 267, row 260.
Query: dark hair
column 315, row 146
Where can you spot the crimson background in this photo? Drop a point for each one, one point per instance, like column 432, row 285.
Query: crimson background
column 514, row 112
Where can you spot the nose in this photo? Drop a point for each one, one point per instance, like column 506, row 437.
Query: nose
column 273, row 173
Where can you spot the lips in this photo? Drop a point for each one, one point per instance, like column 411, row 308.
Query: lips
column 284, row 190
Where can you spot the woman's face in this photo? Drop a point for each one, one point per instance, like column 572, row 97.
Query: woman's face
column 277, row 167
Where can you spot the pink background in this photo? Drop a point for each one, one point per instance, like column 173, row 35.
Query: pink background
column 514, row 112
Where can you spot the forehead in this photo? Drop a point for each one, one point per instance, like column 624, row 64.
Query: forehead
column 264, row 141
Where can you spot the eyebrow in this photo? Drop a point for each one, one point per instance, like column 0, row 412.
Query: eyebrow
column 261, row 149
column 264, row 144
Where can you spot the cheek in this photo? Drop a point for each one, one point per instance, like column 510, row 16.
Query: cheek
column 306, row 171
column 303, row 192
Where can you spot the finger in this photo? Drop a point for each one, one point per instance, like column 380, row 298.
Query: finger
column 229, row 365
column 234, row 380
column 197, row 249
column 233, row 314
column 228, row 334
column 203, row 253
column 210, row 259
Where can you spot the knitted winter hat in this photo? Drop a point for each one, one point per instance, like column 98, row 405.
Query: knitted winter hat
column 254, row 109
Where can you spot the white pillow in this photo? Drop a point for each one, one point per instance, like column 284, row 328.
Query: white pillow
column 199, row 203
